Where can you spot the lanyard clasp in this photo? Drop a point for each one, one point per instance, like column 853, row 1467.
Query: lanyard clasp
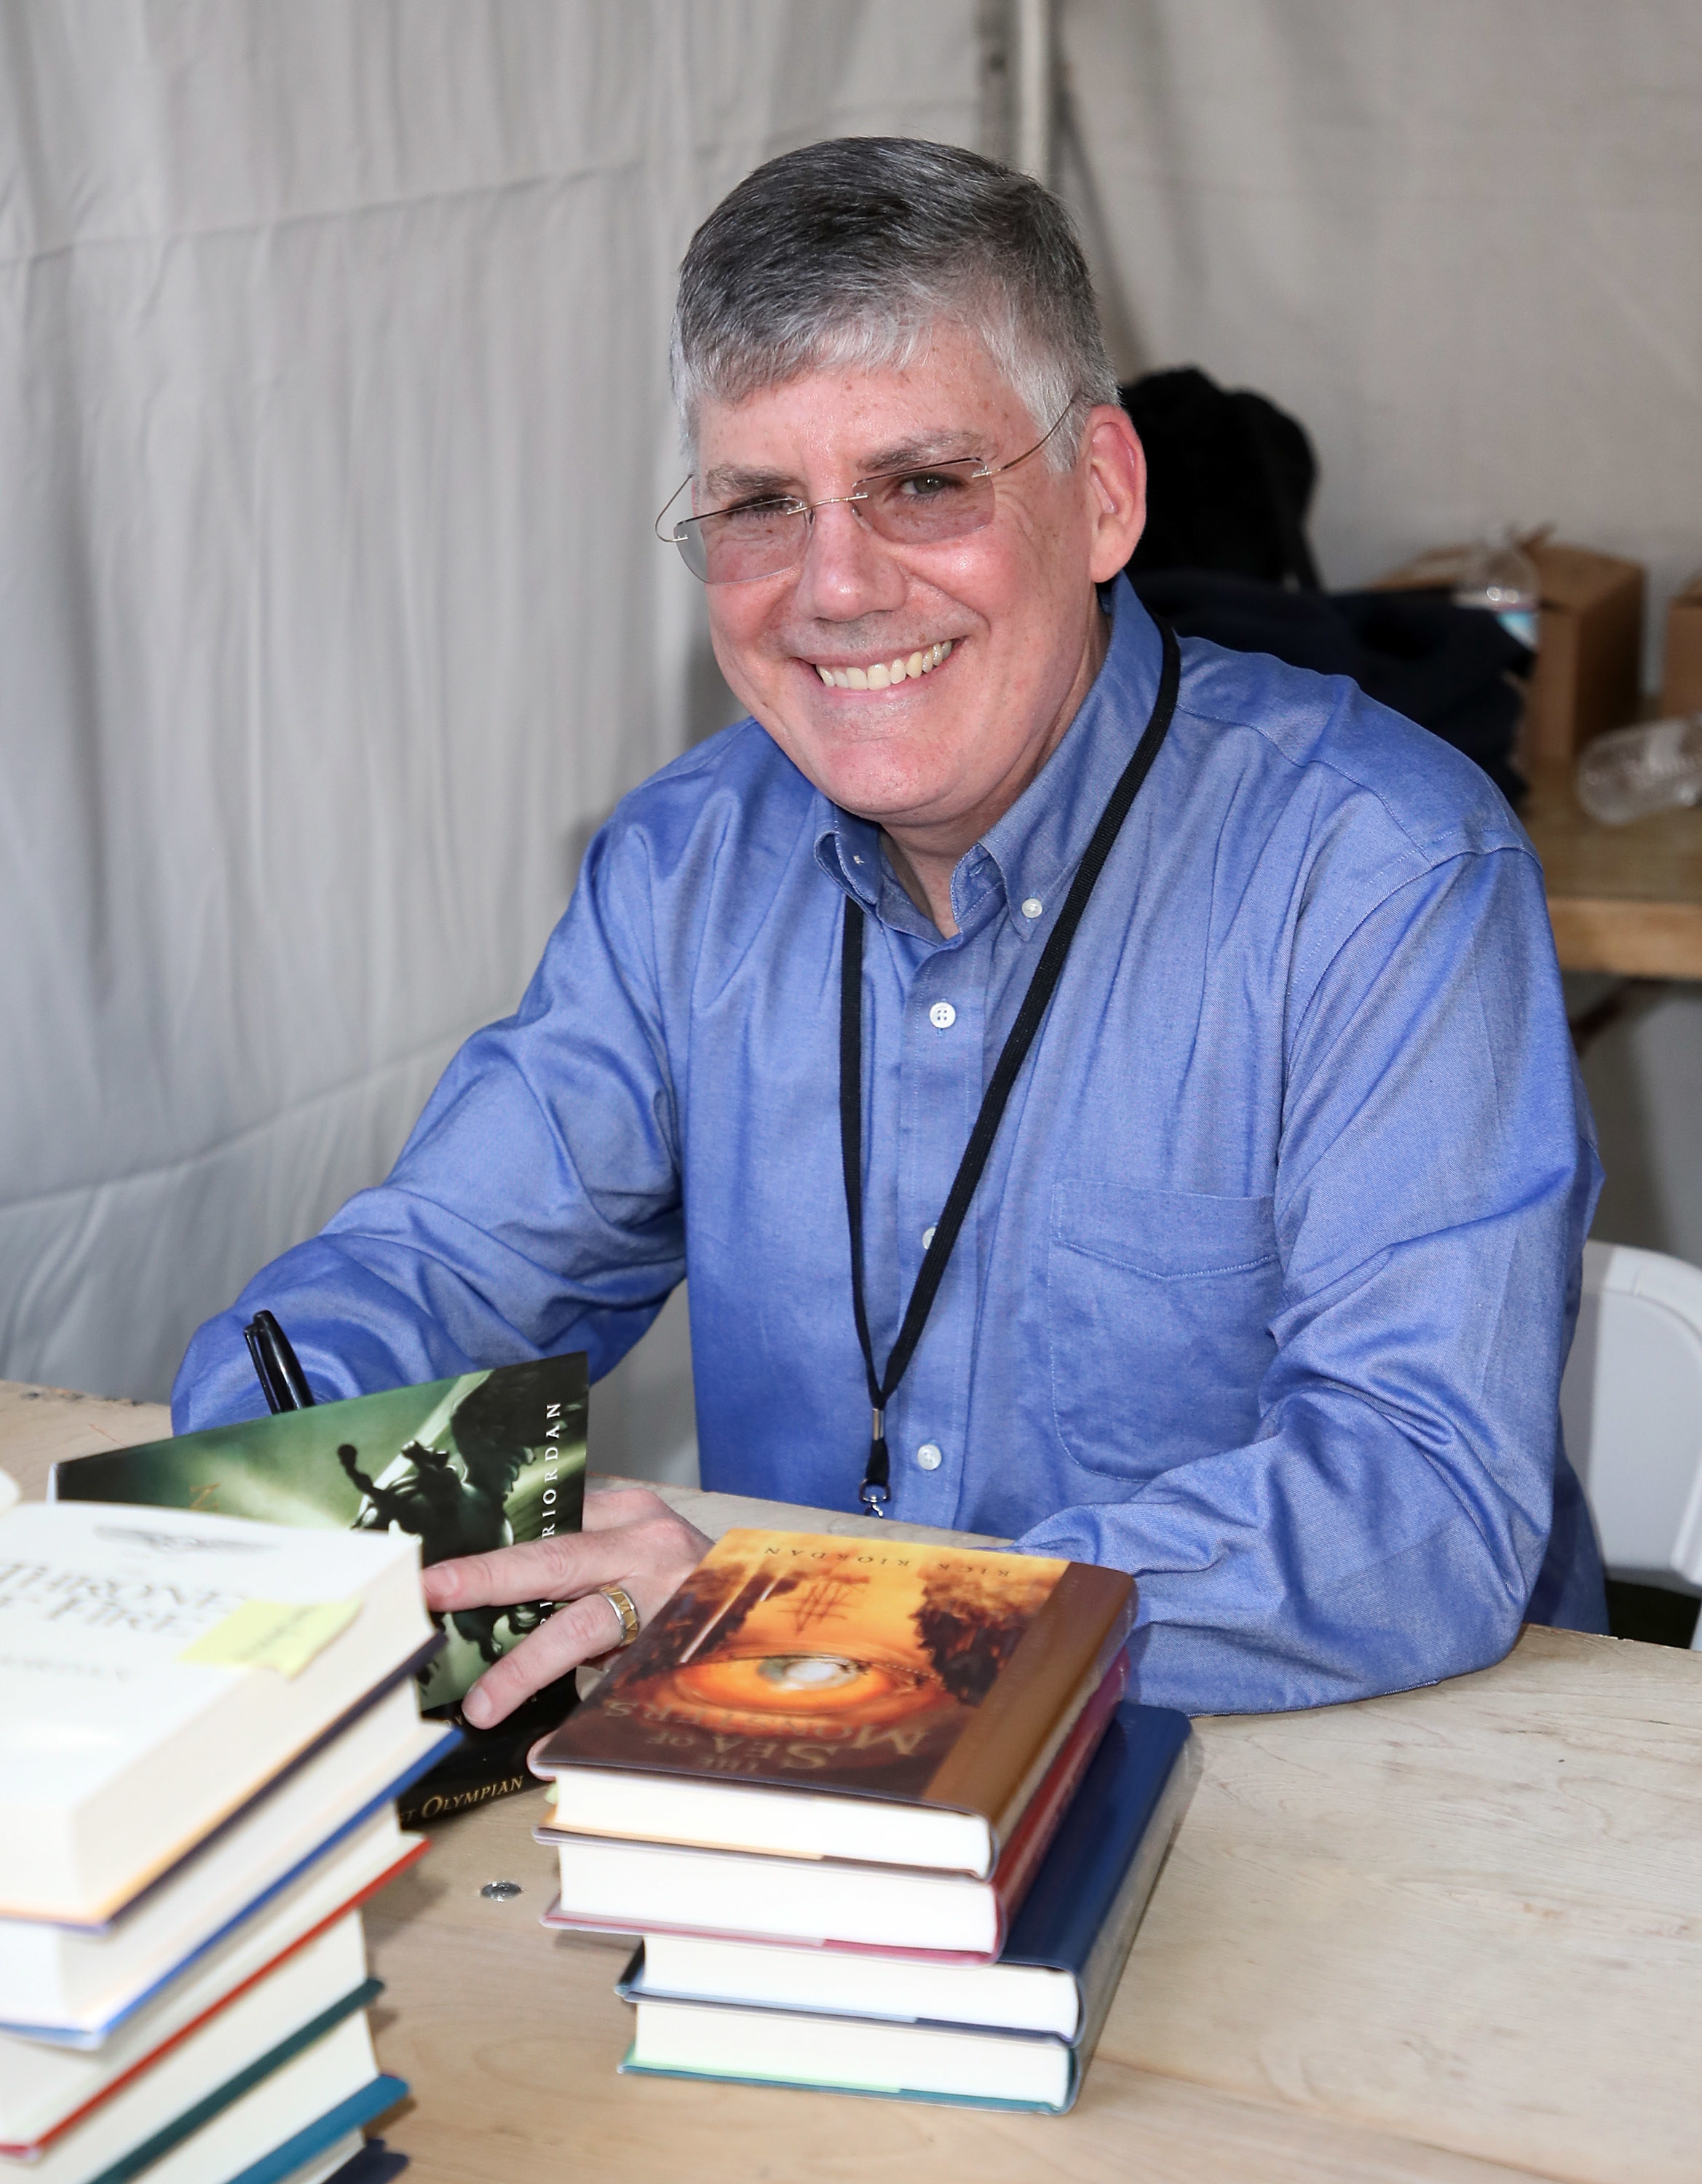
column 874, row 1493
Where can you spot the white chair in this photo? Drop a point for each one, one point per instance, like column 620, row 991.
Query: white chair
column 1631, row 1403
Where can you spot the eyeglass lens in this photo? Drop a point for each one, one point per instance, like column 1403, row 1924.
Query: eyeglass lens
column 907, row 508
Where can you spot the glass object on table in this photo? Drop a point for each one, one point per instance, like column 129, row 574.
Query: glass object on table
column 1499, row 578
column 1630, row 772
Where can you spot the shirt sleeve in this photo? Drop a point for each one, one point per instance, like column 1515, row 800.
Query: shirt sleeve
column 1436, row 1174
column 534, row 1208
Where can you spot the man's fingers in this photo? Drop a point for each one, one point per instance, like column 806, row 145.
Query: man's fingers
column 540, row 1569
column 649, row 1554
column 576, row 1632
column 634, row 1531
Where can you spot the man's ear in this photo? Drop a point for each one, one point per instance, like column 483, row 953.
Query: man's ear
column 1116, row 487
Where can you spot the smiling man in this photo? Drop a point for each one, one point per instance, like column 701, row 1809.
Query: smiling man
column 922, row 689
column 1101, row 1092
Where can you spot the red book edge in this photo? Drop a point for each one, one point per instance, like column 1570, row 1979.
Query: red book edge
column 1021, row 1858
column 27, row 2150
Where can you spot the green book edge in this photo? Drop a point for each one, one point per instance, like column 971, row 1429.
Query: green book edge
column 360, row 2108
column 180, row 2127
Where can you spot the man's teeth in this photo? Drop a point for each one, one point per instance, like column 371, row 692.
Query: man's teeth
column 886, row 672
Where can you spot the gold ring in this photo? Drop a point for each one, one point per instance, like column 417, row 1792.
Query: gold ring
column 621, row 1601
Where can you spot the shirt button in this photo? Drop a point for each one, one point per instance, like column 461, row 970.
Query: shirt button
column 942, row 1015
column 927, row 1238
column 928, row 1455
column 1033, row 906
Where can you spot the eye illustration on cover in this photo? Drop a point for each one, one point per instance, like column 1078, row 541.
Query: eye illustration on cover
column 793, row 1652
column 871, row 1655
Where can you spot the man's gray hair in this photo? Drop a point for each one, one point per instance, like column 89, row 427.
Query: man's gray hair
column 848, row 253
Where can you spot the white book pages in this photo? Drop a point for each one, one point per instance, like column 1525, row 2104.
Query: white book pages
column 853, row 2053
column 639, row 1888
column 117, row 1754
column 58, row 1983
column 303, row 1986
column 785, row 1823
column 323, row 2166
column 319, row 2079
column 41, row 2087
column 853, row 1983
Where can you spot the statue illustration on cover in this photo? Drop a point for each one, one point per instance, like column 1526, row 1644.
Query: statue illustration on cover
column 455, row 1499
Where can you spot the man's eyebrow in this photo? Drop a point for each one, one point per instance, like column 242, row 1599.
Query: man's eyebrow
column 943, row 447
column 732, row 481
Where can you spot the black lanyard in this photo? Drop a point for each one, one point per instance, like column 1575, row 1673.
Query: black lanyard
column 874, row 1492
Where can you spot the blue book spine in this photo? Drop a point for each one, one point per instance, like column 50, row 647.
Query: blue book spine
column 373, row 2165
column 1084, row 1906
column 1081, row 1912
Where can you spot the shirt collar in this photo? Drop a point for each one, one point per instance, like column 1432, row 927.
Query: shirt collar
column 1033, row 849
column 848, row 850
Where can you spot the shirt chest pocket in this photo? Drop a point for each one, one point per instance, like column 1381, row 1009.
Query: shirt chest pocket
column 1159, row 1312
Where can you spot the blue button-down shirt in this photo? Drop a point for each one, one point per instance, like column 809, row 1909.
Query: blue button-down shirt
column 1267, row 1288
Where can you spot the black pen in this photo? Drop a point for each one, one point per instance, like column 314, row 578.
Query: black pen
column 281, row 1375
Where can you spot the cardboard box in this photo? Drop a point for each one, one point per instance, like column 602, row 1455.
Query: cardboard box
column 1589, row 649
column 1681, row 671
column 1589, row 642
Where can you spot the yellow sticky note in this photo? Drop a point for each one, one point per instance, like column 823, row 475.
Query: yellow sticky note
column 272, row 1634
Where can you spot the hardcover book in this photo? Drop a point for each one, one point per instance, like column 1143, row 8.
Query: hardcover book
column 157, row 1676
column 299, row 2004
column 607, row 1883
column 466, row 1465
column 331, row 1817
column 46, row 2090
column 311, row 2093
column 808, row 1696
column 1019, row 2031
column 486, row 1764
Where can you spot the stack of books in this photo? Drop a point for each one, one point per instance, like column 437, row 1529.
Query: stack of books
column 204, row 1723
column 879, row 1813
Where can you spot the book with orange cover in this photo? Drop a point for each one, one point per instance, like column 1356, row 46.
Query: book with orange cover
column 612, row 1883
column 871, row 1700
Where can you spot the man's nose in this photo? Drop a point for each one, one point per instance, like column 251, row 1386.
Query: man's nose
column 846, row 570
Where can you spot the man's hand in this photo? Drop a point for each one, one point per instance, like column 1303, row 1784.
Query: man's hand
column 631, row 1538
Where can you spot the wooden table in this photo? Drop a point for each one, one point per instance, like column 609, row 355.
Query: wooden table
column 1450, row 1938
column 1621, row 898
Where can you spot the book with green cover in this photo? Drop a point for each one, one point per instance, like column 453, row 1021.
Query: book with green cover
column 480, row 1461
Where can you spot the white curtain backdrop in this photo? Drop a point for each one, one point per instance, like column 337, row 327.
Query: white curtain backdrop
column 333, row 417
column 1463, row 243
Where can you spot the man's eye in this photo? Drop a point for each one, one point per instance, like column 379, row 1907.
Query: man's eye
column 928, row 485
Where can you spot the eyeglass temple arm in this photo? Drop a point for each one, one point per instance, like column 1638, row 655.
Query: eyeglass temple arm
column 670, row 538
